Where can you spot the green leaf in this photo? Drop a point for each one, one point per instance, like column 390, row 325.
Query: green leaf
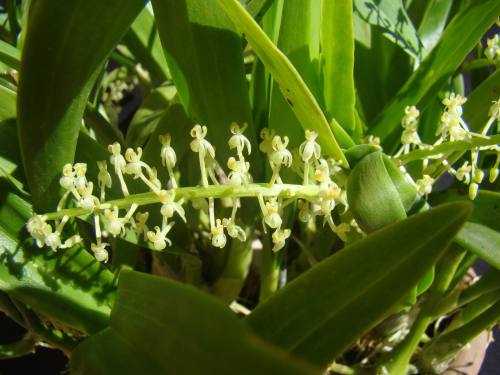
column 10, row 157
column 286, row 76
column 143, row 41
column 391, row 17
column 476, row 109
column 57, row 72
column 148, row 115
column 337, row 62
column 7, row 104
column 322, row 312
column 257, row 8
column 482, row 241
column 10, row 55
column 486, row 206
column 159, row 326
column 433, row 23
column 205, row 57
column 69, row 287
column 460, row 36
column 299, row 41
column 378, row 192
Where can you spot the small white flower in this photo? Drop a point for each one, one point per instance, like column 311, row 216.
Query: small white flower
column 271, row 215
column 53, row 240
column 199, row 143
column 153, row 177
column 218, row 237
column 67, row 181
column 87, row 201
column 169, row 206
column 424, row 185
column 80, row 172
column 279, row 238
column 159, row 237
column 100, row 252
column 134, row 164
column 310, row 148
column 239, row 172
column 167, row 153
column 103, row 177
column 117, row 159
column 267, row 139
column 114, row 224
column 322, row 172
column 234, row 230
column 492, row 50
column 238, row 140
column 38, row 228
column 140, row 225
column 463, row 173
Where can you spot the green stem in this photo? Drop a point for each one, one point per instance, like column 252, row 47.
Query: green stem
column 56, row 338
column 192, row 193
column 396, row 362
column 436, row 355
column 476, row 64
column 474, row 309
column 269, row 270
column 229, row 285
column 25, row 346
column 450, row 147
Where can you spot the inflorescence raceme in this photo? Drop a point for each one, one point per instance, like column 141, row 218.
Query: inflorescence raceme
column 452, row 128
column 321, row 192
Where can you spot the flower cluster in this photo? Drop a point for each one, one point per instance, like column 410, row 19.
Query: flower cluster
column 492, row 50
column 113, row 219
column 452, row 128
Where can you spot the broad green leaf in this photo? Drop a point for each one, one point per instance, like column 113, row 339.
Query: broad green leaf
column 459, row 37
column 286, row 76
column 433, row 23
column 337, row 62
column 378, row 193
column 69, row 286
column 205, row 57
column 159, row 326
column 57, row 72
column 322, row 312
column 299, row 41
column 7, row 104
column 143, row 41
column 391, row 17
column 10, row 55
column 482, row 241
column 148, row 115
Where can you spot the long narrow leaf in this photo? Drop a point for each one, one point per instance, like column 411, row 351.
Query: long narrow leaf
column 205, row 57
column 319, row 314
column 143, row 41
column 337, row 42
column 64, row 49
column 291, row 84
